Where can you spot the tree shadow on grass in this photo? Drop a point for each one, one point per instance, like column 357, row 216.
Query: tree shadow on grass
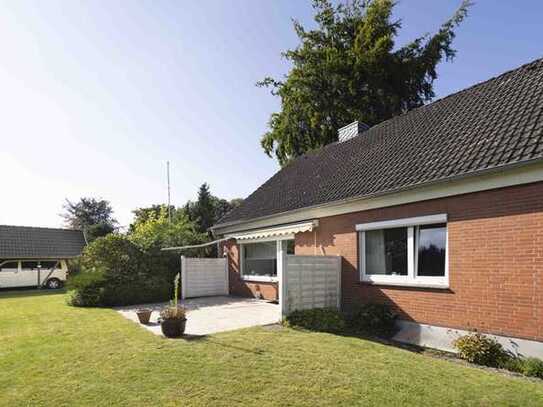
column 218, row 342
column 215, row 341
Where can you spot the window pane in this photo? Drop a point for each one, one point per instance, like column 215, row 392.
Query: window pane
column 431, row 250
column 49, row 264
column 386, row 251
column 260, row 259
column 290, row 246
column 29, row 265
column 260, row 267
column 10, row 266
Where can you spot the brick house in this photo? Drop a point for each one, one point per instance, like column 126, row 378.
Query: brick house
column 437, row 212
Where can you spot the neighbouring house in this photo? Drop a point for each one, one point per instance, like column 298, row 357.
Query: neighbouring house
column 437, row 212
column 33, row 256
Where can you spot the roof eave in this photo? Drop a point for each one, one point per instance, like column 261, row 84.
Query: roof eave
column 48, row 257
column 486, row 171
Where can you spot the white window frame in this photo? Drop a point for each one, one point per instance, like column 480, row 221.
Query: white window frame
column 279, row 255
column 411, row 279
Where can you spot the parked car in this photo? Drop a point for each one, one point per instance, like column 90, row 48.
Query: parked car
column 33, row 273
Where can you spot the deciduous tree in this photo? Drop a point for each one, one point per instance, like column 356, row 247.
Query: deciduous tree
column 93, row 216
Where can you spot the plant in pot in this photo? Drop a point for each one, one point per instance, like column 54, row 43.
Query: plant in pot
column 144, row 315
column 173, row 317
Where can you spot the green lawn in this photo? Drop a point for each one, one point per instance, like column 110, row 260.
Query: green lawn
column 53, row 354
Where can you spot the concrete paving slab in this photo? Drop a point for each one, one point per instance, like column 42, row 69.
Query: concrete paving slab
column 209, row 315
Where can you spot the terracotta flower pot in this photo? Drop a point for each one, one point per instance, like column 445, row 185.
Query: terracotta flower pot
column 173, row 328
column 144, row 315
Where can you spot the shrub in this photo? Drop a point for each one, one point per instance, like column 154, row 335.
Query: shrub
column 318, row 319
column 115, row 256
column 532, row 367
column 514, row 365
column 374, row 319
column 482, row 350
column 117, row 272
column 527, row 366
column 145, row 290
column 94, row 292
column 84, row 279
column 74, row 265
column 86, row 289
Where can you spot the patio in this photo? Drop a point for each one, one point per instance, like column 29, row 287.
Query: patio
column 209, row 315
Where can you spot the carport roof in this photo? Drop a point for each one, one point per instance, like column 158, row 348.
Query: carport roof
column 32, row 242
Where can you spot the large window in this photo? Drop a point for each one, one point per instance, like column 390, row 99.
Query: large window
column 406, row 251
column 259, row 259
column 386, row 252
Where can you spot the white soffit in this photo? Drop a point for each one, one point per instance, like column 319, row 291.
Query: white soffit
column 278, row 231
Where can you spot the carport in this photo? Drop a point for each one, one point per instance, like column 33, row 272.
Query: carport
column 35, row 256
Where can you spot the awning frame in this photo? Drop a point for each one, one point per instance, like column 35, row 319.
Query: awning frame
column 276, row 232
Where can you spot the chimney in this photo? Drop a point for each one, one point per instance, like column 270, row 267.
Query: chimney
column 351, row 130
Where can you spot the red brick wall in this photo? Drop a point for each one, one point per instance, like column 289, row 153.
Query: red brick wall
column 241, row 287
column 495, row 261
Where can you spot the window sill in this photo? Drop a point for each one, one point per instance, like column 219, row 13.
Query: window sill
column 260, row 279
column 408, row 284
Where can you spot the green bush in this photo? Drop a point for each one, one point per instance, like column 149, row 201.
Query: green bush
column 115, row 256
column 514, row 365
column 482, row 350
column 86, row 289
column 527, row 366
column 74, row 265
column 84, row 279
column 533, row 367
column 136, row 292
column 318, row 319
column 373, row 319
column 117, row 272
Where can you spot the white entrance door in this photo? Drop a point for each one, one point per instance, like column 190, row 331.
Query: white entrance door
column 9, row 274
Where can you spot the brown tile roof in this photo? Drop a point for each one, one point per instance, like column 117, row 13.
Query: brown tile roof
column 493, row 124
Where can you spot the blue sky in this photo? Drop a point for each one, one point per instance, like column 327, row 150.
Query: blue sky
column 97, row 95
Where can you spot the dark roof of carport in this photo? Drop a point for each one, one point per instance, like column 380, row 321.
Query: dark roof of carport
column 491, row 125
column 39, row 243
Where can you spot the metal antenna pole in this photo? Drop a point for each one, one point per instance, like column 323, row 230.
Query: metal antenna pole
column 169, row 206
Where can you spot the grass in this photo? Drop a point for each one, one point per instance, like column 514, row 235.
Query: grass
column 53, row 354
